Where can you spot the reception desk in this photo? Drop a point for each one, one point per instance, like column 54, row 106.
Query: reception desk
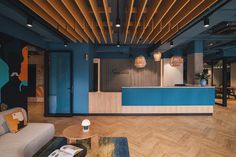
column 154, row 100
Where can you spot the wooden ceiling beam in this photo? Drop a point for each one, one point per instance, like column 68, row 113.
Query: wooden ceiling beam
column 40, row 12
column 131, row 24
column 74, row 11
column 76, row 35
column 162, row 33
column 98, row 18
column 192, row 5
column 148, row 17
column 194, row 14
column 101, row 10
column 55, row 15
column 61, row 9
column 167, row 11
column 141, row 7
column 155, row 32
column 167, row 36
column 127, row 22
column 109, row 24
column 84, row 10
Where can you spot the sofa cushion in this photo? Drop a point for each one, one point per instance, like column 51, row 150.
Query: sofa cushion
column 3, row 125
column 15, row 120
column 27, row 141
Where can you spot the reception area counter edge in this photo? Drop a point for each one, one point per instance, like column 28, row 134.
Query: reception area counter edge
column 112, row 102
column 168, row 96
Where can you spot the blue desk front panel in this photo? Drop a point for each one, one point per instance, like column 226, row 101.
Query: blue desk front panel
column 168, row 96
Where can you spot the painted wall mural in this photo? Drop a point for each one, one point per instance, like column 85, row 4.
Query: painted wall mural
column 24, row 69
column 4, row 69
column 14, row 78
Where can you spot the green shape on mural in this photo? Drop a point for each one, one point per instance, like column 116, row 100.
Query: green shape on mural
column 23, row 83
column 4, row 73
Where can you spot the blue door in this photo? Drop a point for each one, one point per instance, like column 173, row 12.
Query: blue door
column 59, row 99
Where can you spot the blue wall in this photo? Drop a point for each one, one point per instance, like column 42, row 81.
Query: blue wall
column 13, row 29
column 82, row 73
column 82, row 69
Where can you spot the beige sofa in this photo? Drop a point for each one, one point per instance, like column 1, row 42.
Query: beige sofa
column 27, row 141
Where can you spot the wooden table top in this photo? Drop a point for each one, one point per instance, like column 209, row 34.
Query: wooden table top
column 75, row 132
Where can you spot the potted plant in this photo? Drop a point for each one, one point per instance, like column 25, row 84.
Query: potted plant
column 203, row 77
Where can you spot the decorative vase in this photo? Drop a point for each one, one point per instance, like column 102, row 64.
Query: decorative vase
column 203, row 82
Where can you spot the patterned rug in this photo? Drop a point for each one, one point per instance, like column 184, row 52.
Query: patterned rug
column 108, row 147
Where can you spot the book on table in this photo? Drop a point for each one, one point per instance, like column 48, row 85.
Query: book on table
column 66, row 151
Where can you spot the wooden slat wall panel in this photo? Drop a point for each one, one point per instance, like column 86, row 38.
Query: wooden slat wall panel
column 121, row 72
column 115, row 74
column 149, row 76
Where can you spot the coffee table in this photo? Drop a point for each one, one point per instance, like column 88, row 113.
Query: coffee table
column 57, row 143
column 75, row 132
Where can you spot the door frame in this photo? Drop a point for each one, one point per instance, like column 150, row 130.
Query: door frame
column 46, row 84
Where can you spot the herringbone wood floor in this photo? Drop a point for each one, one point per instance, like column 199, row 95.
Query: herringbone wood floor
column 162, row 136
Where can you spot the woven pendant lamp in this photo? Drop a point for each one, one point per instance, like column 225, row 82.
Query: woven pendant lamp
column 140, row 62
column 157, row 56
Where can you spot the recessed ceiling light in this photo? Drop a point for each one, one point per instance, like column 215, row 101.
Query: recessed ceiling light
column 206, row 22
column 117, row 15
column 118, row 22
column 210, row 44
column 29, row 22
column 171, row 43
column 65, row 43
column 118, row 44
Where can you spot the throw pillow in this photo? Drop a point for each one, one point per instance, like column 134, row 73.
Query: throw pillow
column 15, row 120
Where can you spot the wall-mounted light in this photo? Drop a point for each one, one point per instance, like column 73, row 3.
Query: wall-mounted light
column 29, row 22
column 86, row 56
column 140, row 62
column 157, row 56
column 171, row 43
column 65, row 43
column 206, row 22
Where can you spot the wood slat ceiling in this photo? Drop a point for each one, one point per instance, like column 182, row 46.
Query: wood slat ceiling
column 144, row 21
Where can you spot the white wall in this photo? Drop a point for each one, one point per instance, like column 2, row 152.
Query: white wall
column 194, row 66
column 217, row 77
column 233, row 75
column 172, row 75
